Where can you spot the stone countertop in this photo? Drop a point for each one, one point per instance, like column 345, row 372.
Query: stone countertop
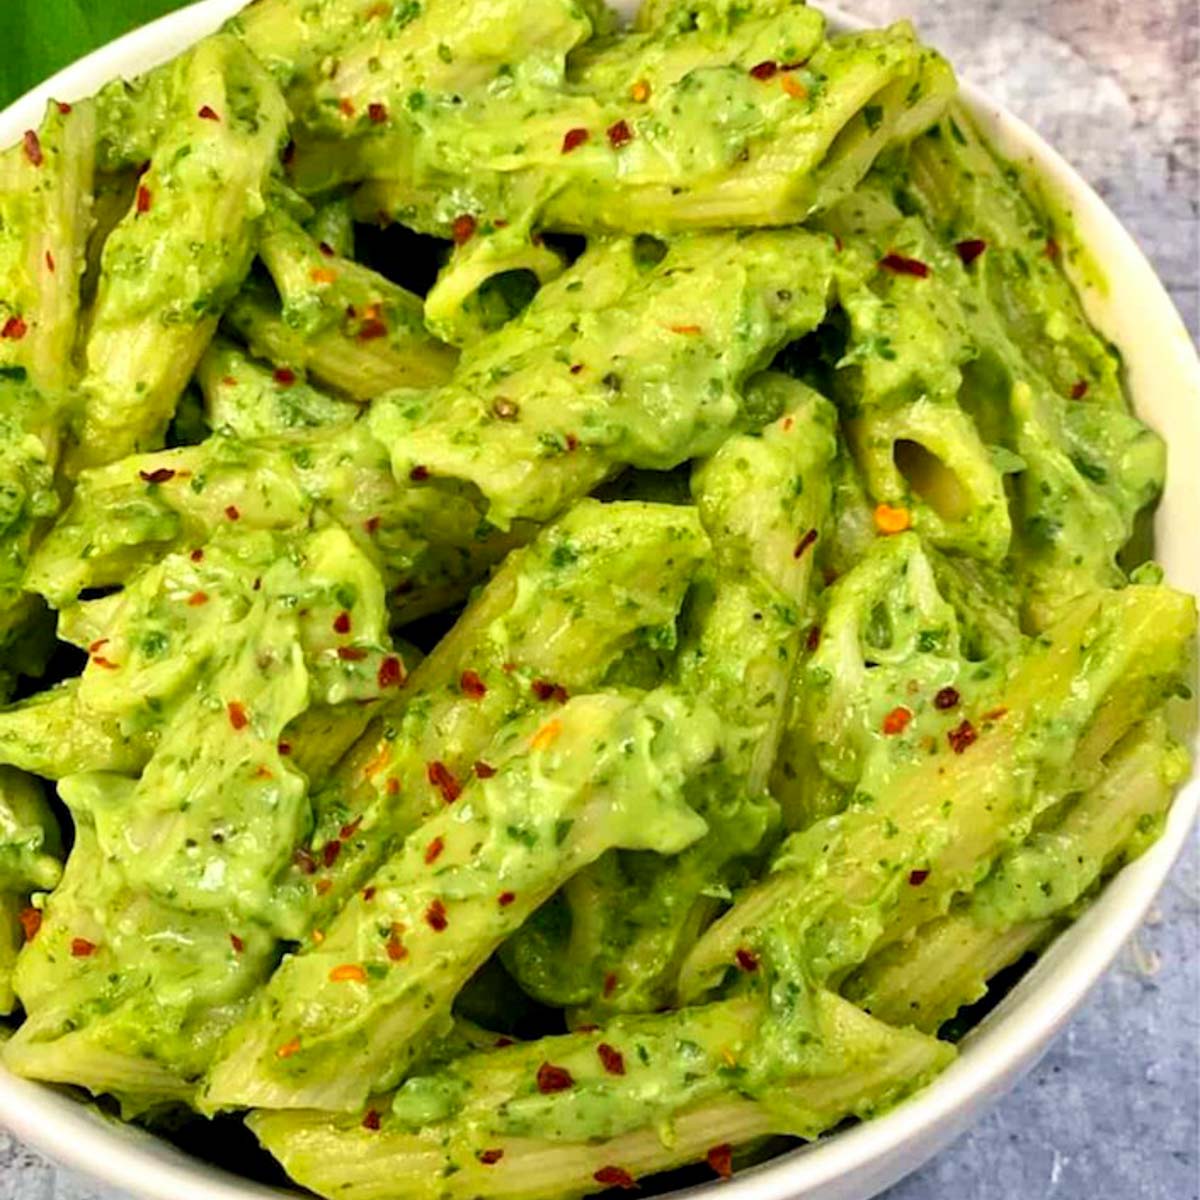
column 1113, row 1111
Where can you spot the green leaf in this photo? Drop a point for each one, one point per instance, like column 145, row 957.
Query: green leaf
column 43, row 36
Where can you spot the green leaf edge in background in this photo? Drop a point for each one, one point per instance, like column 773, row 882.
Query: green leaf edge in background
column 44, row 36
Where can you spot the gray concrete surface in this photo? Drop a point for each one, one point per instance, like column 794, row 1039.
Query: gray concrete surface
column 1113, row 1112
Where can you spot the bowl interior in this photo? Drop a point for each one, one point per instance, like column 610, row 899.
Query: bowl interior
column 1127, row 302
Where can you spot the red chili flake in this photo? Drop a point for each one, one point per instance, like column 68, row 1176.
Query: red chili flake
column 391, row 672
column 351, row 653
column 435, row 916
column 99, row 644
column 543, row 689
column 553, row 1079
column 612, row 1059
column 378, row 113
column 159, row 475
column 918, row 877
column 434, row 850
column 196, row 599
column 419, row 474
column 576, row 368
column 463, row 229
column 746, row 959
column 619, row 134
column 1079, row 389
column 31, row 922
column 372, row 1120
column 208, row 114
column 396, row 949
column 51, row 266
column 64, row 108
column 443, row 779
column 897, row 720
column 472, row 686
column 615, row 1177
column 104, row 662
column 501, row 1042
column 970, row 250
column 688, row 329
column 371, row 525
column 305, row 861
column 237, row 714
column 82, row 948
column 574, row 138
column 14, row 329
column 484, row 770
column 368, row 894
column 610, row 983
column 348, row 830
column 572, row 443
column 326, row 249
column 948, row 697
column 33, row 148
column 392, row 787
column 285, row 376
column 804, row 543
column 765, row 70
column 346, row 106
column 720, row 1158
column 490, row 1158
column 371, row 329
column 144, row 199
column 962, row 736
column 330, row 852
column 284, row 748
column 814, row 639
column 506, row 898
column 237, row 943
column 902, row 265
column 231, row 511
column 1053, row 250
column 341, row 623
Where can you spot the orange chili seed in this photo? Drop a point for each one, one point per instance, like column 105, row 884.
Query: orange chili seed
column 640, row 92
column 547, row 735
column 684, row 328
column 196, row 599
column 323, row 274
column 794, row 87
column 237, row 714
column 348, row 973
column 897, row 720
column 288, row 1049
column 892, row 520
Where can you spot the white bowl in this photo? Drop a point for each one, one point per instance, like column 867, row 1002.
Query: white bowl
column 1164, row 378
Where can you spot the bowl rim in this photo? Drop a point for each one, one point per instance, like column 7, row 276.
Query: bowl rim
column 1140, row 317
